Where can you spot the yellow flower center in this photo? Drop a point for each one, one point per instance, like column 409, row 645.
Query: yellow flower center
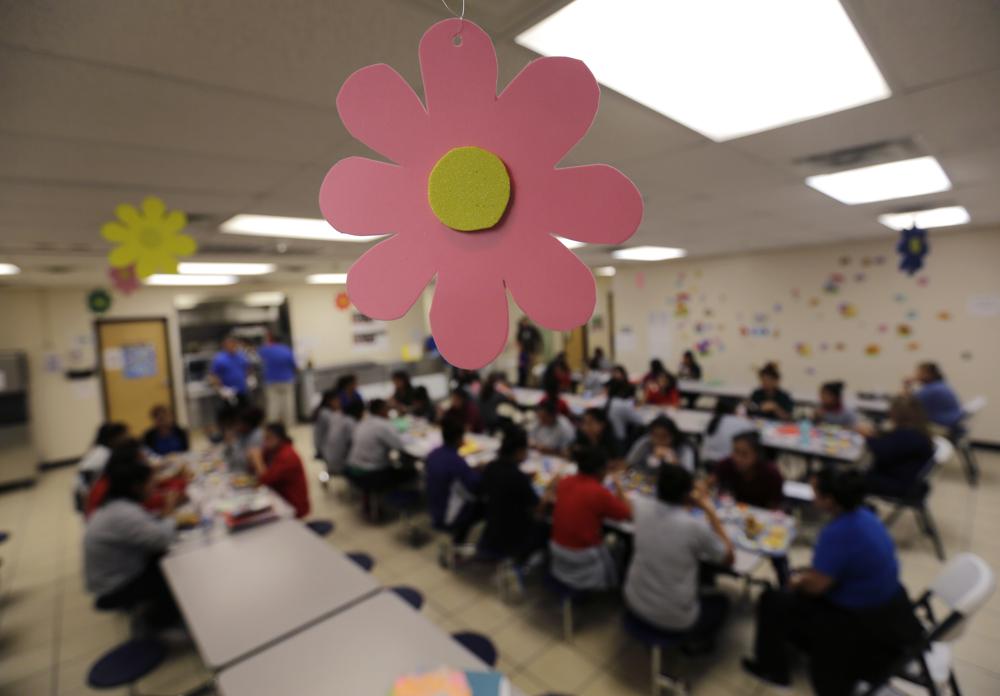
column 915, row 246
column 150, row 237
column 469, row 189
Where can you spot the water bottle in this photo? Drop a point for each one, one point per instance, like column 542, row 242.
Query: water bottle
column 805, row 431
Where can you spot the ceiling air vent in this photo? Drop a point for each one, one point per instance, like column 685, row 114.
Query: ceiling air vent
column 859, row 156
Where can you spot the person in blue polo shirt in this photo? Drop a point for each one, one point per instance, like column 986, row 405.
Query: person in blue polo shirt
column 848, row 611
column 229, row 372
column 938, row 399
column 278, row 362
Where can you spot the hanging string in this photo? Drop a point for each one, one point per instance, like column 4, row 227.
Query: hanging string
column 461, row 20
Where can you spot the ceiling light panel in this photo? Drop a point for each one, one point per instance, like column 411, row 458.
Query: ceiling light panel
column 649, row 253
column 725, row 68
column 883, row 182
column 926, row 219
column 287, row 227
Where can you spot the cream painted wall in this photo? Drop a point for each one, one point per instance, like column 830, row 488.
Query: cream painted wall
column 55, row 324
column 728, row 293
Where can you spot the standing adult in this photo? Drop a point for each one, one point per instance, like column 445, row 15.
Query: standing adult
column 229, row 373
column 529, row 341
column 279, row 368
column 938, row 399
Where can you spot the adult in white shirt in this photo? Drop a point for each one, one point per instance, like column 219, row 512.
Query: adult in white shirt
column 553, row 434
column 123, row 542
column 726, row 423
column 674, row 533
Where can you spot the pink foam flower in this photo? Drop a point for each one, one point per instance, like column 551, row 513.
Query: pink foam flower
column 529, row 127
column 124, row 280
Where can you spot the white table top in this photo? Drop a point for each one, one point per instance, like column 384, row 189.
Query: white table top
column 248, row 589
column 358, row 652
column 689, row 421
column 578, row 403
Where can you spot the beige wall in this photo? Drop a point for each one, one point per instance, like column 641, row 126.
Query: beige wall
column 56, row 324
column 727, row 292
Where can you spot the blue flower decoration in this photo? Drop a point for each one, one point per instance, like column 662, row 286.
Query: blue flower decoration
column 912, row 249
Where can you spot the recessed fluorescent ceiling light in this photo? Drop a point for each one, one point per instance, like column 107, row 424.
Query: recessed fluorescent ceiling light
column 263, row 299
column 926, row 219
column 295, row 228
column 327, row 279
column 9, row 269
column 881, row 182
column 648, row 253
column 198, row 268
column 606, row 271
column 725, row 68
column 167, row 279
column 187, row 301
column 571, row 243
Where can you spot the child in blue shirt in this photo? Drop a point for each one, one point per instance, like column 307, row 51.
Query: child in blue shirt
column 452, row 484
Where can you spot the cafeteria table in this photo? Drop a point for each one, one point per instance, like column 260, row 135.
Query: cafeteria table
column 250, row 589
column 360, row 651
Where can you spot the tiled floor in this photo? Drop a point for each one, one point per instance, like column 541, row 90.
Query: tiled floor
column 49, row 633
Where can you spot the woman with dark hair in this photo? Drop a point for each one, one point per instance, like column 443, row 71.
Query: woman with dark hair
column 689, row 369
column 770, row 400
column 510, row 505
column 402, row 395
column 595, row 432
column 938, row 399
column 620, row 407
column 465, row 409
column 726, row 423
column 422, row 406
column 281, row 469
column 832, row 410
column 329, row 403
column 123, row 542
column 491, row 396
column 848, row 611
column 244, row 439
column 670, row 544
column 749, row 474
column 619, row 386
column 598, row 361
column 656, row 368
column 347, row 389
column 661, row 390
column 580, row 557
column 663, row 444
column 899, row 454
column 91, row 465
column 557, row 375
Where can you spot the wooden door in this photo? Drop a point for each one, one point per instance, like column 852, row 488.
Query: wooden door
column 575, row 345
column 135, row 370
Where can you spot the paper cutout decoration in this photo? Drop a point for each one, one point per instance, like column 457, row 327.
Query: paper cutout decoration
column 777, row 307
column 845, row 260
column 150, row 238
column 840, row 346
column 99, row 301
column 342, row 301
column 443, row 682
column 966, row 355
column 872, row 350
column 803, row 349
column 882, row 328
column 879, row 260
column 451, row 211
column 859, row 277
column 904, row 330
column 810, row 370
column 913, row 346
column 912, row 248
column 703, row 348
column 944, row 316
column 912, row 315
column 824, row 346
column 813, row 301
column 796, row 293
column 866, row 261
column 124, row 280
column 847, row 310
column 899, row 297
column 776, row 333
column 923, row 281
column 640, row 280
column 831, row 286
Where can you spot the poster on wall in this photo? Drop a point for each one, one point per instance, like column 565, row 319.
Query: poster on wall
column 626, row 340
column 368, row 334
column 139, row 361
column 659, row 334
column 983, row 305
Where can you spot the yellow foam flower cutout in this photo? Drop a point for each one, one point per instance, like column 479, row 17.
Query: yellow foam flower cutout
column 150, row 238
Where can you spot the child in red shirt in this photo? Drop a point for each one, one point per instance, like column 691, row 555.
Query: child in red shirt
column 282, row 470
column 580, row 558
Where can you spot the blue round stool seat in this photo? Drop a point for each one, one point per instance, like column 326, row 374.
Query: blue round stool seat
column 479, row 645
column 650, row 635
column 4, row 536
column 410, row 595
column 561, row 589
column 126, row 663
column 321, row 527
column 363, row 560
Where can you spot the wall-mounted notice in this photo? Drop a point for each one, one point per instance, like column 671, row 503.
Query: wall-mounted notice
column 114, row 359
column 625, row 340
column 368, row 334
column 658, row 333
column 140, row 361
column 983, row 305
